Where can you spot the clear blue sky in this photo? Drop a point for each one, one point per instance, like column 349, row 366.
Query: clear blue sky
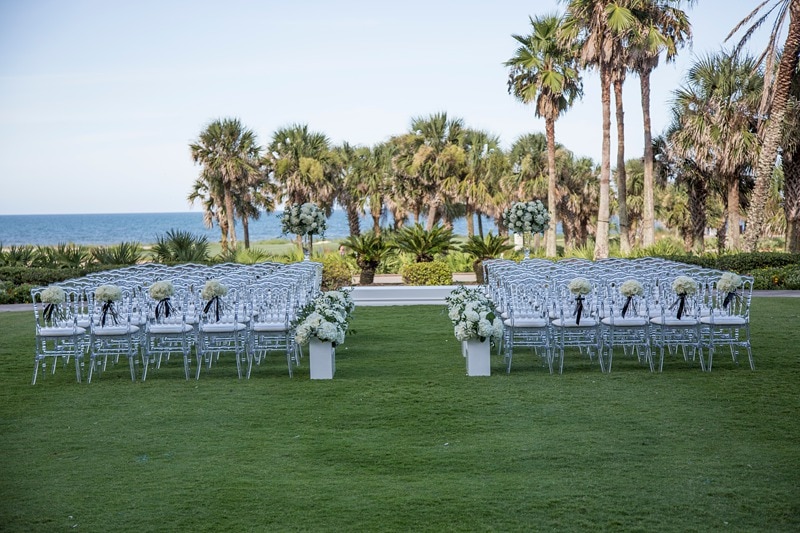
column 99, row 99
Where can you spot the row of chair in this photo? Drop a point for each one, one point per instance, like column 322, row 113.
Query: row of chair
column 541, row 313
column 253, row 318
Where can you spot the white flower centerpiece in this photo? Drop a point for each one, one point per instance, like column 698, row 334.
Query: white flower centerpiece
column 53, row 296
column 729, row 283
column 476, row 324
column 526, row 218
column 212, row 294
column 579, row 287
column 108, row 294
column 305, row 220
column 629, row 289
column 683, row 286
column 161, row 291
column 322, row 325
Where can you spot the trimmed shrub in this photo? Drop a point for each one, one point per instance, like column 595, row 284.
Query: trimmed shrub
column 780, row 278
column 430, row 273
column 336, row 273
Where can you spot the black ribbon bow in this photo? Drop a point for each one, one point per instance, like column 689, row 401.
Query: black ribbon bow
column 627, row 304
column 729, row 297
column 215, row 301
column 578, row 310
column 108, row 310
column 681, row 303
column 163, row 306
column 49, row 309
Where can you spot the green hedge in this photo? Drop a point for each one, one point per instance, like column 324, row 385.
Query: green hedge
column 432, row 273
column 741, row 263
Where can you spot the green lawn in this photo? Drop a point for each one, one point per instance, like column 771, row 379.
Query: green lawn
column 403, row 440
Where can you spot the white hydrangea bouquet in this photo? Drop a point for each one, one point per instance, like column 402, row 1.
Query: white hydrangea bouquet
column 108, row 294
column 629, row 289
column 526, row 217
column 579, row 287
column 729, row 283
column 212, row 294
column 52, row 296
column 161, row 291
column 326, row 318
column 683, row 286
column 304, row 219
column 473, row 315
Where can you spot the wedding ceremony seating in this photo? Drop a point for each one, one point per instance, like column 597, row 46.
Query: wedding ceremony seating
column 105, row 316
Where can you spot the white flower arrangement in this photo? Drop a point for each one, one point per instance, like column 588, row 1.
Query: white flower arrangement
column 325, row 318
column 305, row 219
column 631, row 288
column 729, row 282
column 53, row 295
column 108, row 293
column 161, row 289
column 526, row 217
column 684, row 285
column 473, row 315
column 580, row 286
column 212, row 289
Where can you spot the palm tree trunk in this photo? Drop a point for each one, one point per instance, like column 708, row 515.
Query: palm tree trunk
column 697, row 211
column 622, row 184
column 470, row 220
column 601, row 234
column 757, row 214
column 648, row 216
column 550, row 234
column 732, row 241
column 480, row 224
column 230, row 219
column 246, row 231
column 376, row 222
column 353, row 220
column 791, row 198
column 432, row 211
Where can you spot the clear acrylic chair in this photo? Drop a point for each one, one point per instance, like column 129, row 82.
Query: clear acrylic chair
column 270, row 328
column 168, row 331
column 728, row 323
column 576, row 326
column 222, row 329
column 677, row 328
column 58, row 335
column 114, row 332
column 625, row 324
column 528, row 323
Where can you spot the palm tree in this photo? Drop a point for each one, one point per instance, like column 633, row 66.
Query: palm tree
column 774, row 102
column 543, row 71
column 485, row 165
column 303, row 165
column 438, row 155
column 715, row 114
column 597, row 25
column 228, row 152
column 207, row 189
column 347, row 195
column 790, row 163
column 663, row 27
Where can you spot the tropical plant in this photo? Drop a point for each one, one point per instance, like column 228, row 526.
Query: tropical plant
column 774, row 101
column 229, row 155
column 424, row 244
column 543, row 70
column 179, row 246
column 62, row 255
column 478, row 186
column 489, row 247
column 14, row 255
column 124, row 253
column 369, row 249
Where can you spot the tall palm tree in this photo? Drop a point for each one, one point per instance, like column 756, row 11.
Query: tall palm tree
column 207, row 190
column 437, row 157
column 347, row 195
column 304, row 166
column 597, row 26
column 716, row 113
column 775, row 100
column 485, row 165
column 229, row 152
column 662, row 28
column 543, row 70
column 790, row 163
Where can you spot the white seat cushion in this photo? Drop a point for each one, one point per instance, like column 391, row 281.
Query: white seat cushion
column 570, row 323
column 526, row 323
column 618, row 321
column 724, row 320
column 61, row 332
column 672, row 321
column 269, row 326
column 114, row 330
column 167, row 329
column 222, row 327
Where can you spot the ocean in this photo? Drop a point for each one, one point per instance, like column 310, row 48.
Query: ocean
column 110, row 229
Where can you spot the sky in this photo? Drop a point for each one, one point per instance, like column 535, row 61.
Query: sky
column 100, row 99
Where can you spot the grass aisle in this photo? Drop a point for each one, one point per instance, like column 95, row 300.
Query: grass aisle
column 403, row 440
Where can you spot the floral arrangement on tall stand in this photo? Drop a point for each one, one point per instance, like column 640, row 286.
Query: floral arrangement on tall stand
column 53, row 296
column 304, row 220
column 683, row 286
column 629, row 289
column 108, row 294
column 212, row 294
column 161, row 291
column 322, row 324
column 580, row 287
column 526, row 218
column 729, row 284
column 476, row 324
